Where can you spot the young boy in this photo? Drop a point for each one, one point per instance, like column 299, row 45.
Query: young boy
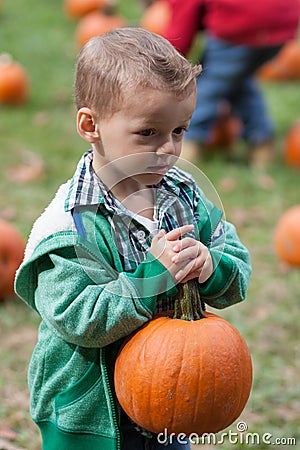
column 107, row 253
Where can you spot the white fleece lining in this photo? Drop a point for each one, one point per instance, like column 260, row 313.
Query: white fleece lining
column 52, row 220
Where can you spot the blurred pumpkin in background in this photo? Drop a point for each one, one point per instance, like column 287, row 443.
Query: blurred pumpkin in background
column 78, row 8
column 287, row 236
column 156, row 17
column 285, row 66
column 226, row 130
column 14, row 81
column 95, row 24
column 292, row 145
column 12, row 246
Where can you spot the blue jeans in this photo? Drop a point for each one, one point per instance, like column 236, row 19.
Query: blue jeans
column 228, row 75
column 134, row 440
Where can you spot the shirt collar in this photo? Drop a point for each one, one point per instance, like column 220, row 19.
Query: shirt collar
column 87, row 189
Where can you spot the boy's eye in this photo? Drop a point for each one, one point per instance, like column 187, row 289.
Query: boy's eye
column 179, row 130
column 148, row 132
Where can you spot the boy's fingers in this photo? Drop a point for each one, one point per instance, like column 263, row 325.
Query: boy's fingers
column 178, row 232
column 190, row 276
column 159, row 235
column 187, row 243
column 189, row 269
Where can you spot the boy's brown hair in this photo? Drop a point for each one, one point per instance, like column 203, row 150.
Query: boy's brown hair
column 110, row 65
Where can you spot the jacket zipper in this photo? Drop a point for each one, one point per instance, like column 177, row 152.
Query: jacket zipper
column 112, row 404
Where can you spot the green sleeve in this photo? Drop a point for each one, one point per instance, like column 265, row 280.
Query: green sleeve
column 81, row 301
column 84, row 303
column 229, row 281
column 151, row 278
column 232, row 268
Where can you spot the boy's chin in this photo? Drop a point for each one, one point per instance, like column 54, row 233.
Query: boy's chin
column 150, row 179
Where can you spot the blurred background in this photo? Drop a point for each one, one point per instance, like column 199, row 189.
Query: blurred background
column 39, row 150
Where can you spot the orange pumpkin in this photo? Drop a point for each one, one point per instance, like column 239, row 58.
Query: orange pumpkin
column 285, row 66
column 226, row 129
column 287, row 236
column 292, row 146
column 12, row 246
column 225, row 132
column 95, row 24
column 14, row 82
column 156, row 17
column 186, row 376
column 78, row 8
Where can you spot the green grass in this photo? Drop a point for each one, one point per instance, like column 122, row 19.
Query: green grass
column 40, row 36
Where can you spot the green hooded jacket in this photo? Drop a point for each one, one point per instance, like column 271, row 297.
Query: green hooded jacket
column 73, row 277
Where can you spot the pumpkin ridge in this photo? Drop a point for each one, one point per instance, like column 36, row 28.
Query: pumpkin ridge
column 198, row 396
column 243, row 398
column 212, row 387
column 226, row 327
column 233, row 338
column 241, row 377
column 154, row 377
column 179, row 376
column 236, row 341
column 213, row 357
column 152, row 330
column 241, row 371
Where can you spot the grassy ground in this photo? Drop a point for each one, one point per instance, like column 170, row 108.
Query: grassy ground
column 40, row 36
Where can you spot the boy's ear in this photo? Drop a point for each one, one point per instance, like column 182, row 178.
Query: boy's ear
column 87, row 126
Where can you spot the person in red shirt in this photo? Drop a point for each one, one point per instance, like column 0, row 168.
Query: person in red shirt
column 239, row 37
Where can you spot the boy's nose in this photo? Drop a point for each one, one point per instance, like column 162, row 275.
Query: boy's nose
column 167, row 148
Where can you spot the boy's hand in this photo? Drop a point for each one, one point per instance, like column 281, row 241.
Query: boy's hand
column 186, row 258
column 197, row 259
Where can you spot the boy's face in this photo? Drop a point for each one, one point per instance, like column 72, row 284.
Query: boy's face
column 142, row 141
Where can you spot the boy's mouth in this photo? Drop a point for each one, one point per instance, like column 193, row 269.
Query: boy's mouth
column 161, row 166
column 162, row 170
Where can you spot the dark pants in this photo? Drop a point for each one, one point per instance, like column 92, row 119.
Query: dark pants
column 134, row 440
column 229, row 75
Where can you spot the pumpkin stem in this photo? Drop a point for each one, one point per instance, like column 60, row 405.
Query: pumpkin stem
column 188, row 303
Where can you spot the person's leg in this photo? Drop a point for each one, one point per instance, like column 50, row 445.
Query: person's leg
column 213, row 90
column 249, row 104
column 248, row 100
column 225, row 69
column 131, row 438
column 258, row 130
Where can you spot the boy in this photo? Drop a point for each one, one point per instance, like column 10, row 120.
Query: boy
column 107, row 253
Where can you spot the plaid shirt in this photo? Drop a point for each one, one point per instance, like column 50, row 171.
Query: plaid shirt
column 175, row 206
